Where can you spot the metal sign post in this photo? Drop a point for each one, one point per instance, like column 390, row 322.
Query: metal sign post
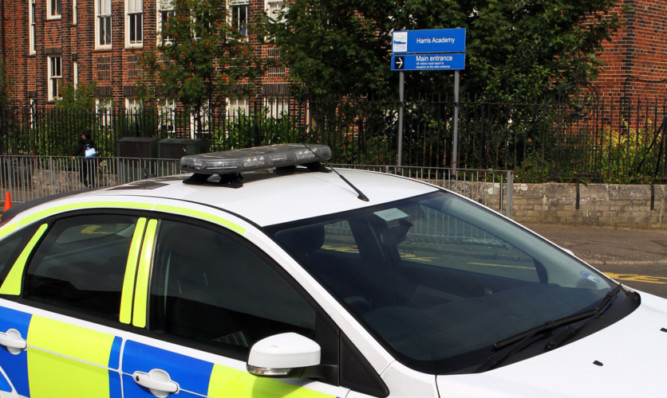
column 428, row 50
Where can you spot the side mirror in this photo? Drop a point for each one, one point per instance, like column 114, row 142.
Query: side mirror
column 283, row 355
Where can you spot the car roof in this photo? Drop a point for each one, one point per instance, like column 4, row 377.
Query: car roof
column 269, row 197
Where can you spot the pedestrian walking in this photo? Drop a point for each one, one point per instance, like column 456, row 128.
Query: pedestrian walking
column 87, row 150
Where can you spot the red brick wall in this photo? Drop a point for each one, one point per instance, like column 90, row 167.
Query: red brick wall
column 636, row 57
column 76, row 42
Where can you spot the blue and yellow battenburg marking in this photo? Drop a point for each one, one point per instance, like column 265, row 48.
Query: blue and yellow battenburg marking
column 65, row 360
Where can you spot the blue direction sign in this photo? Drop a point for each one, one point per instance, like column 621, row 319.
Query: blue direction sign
column 429, row 41
column 454, row 61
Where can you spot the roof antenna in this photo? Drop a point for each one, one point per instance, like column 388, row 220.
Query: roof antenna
column 357, row 190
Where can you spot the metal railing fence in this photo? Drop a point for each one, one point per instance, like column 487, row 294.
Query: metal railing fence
column 597, row 140
column 32, row 177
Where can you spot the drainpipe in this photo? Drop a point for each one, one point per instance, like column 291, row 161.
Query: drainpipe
column 2, row 28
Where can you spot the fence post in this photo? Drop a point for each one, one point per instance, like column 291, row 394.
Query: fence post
column 510, row 191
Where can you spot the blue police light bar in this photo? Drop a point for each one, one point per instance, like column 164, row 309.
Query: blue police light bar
column 255, row 158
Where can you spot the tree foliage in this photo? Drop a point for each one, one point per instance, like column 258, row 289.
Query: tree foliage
column 200, row 58
column 516, row 49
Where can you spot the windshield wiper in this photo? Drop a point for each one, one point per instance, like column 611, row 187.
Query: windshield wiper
column 524, row 339
column 598, row 311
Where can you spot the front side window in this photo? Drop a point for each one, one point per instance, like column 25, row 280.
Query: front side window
column 135, row 23
column 103, row 23
column 239, row 12
column 440, row 281
column 209, row 288
column 80, row 264
column 55, row 77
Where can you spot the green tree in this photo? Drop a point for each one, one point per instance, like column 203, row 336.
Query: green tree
column 200, row 59
column 516, row 49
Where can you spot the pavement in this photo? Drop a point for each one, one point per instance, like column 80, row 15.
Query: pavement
column 608, row 246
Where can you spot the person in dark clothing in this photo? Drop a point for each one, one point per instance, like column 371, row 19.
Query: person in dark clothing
column 88, row 151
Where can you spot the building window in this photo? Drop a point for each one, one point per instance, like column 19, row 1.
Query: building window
column 237, row 107
column 238, row 10
column 55, row 77
column 165, row 11
column 273, row 8
column 133, row 67
column 276, row 107
column 75, row 74
column 167, row 115
column 103, row 23
column 104, row 112
column 104, row 68
column 135, row 23
column 53, row 9
column 74, row 21
column 276, row 70
column 133, row 108
column 31, row 22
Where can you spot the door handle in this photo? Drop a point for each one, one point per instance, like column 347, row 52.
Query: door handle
column 13, row 341
column 157, row 381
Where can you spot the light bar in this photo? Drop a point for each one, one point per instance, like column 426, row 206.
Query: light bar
column 255, row 158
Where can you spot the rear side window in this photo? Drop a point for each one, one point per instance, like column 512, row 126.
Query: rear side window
column 10, row 248
column 80, row 264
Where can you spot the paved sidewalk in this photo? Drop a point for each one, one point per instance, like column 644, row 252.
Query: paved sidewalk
column 610, row 246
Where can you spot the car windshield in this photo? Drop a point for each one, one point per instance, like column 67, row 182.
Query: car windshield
column 438, row 279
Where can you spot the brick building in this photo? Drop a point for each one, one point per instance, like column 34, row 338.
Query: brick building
column 48, row 43
column 636, row 58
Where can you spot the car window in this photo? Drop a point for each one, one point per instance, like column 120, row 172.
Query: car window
column 10, row 248
column 80, row 264
column 214, row 289
column 426, row 236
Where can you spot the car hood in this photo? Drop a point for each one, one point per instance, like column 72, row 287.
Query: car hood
column 626, row 359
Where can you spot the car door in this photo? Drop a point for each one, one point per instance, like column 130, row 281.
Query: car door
column 62, row 296
column 212, row 295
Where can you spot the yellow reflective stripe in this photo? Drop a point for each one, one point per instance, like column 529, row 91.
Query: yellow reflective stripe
column 143, row 273
column 78, row 206
column 131, row 272
column 8, row 229
column 202, row 215
column 228, row 382
column 12, row 284
column 60, row 351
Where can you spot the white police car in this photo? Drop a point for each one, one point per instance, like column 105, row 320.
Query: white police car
column 302, row 282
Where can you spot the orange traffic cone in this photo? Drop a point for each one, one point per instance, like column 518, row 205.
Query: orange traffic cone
column 8, row 202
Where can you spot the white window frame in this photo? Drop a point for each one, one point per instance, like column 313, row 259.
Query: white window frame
column 74, row 16
column 54, row 9
column 167, row 115
column 133, row 108
column 55, row 77
column 163, row 7
column 235, row 20
column 272, row 8
column 31, row 26
column 204, row 112
column 103, row 13
column 104, row 108
column 32, row 107
column 134, row 12
column 75, row 74
column 276, row 107
column 236, row 105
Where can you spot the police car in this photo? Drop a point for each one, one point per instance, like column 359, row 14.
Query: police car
column 263, row 273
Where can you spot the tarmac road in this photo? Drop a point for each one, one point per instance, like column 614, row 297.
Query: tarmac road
column 636, row 258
